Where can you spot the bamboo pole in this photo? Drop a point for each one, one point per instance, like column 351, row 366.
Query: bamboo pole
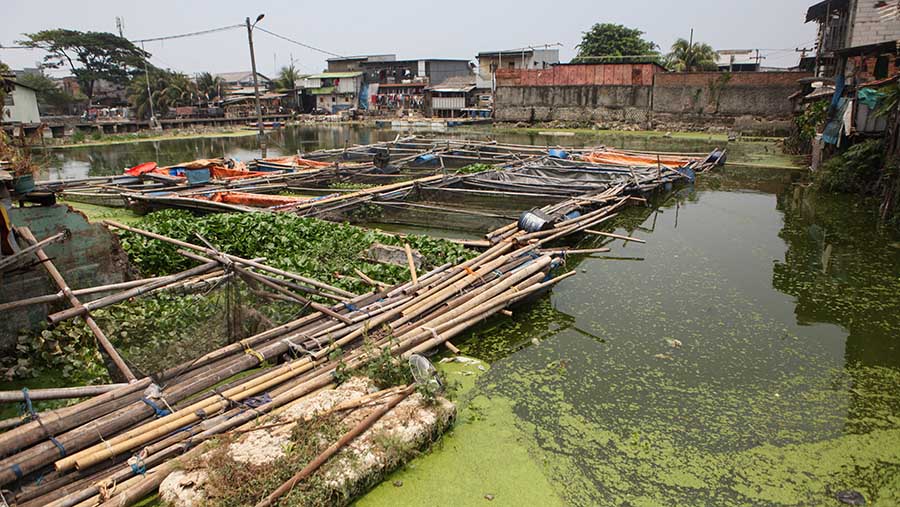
column 61, row 283
column 348, row 437
column 412, row 264
column 25, row 252
column 59, row 296
column 83, row 309
column 236, row 259
column 58, row 421
column 614, row 236
column 61, row 393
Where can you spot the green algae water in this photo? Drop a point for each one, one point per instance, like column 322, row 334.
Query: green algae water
column 746, row 355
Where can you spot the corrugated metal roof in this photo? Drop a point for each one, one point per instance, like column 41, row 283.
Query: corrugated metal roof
column 455, row 84
column 335, row 75
column 237, row 77
column 819, row 10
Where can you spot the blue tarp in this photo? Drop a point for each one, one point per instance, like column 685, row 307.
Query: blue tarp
column 364, row 97
column 832, row 133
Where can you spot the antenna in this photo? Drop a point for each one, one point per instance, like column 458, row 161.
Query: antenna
column 120, row 26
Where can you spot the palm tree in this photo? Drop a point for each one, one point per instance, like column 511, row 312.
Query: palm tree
column 209, row 86
column 168, row 89
column 687, row 57
column 287, row 78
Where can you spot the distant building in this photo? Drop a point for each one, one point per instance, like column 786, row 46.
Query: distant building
column 334, row 91
column 20, row 104
column 489, row 62
column 738, row 60
column 856, row 36
column 400, row 84
column 451, row 98
column 857, row 47
column 354, row 63
column 241, row 83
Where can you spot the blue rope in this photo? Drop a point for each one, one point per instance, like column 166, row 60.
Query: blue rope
column 28, row 405
column 160, row 412
column 17, row 470
column 62, row 450
column 139, row 467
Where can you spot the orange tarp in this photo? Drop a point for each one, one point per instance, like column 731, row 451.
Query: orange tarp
column 297, row 161
column 622, row 159
column 255, row 200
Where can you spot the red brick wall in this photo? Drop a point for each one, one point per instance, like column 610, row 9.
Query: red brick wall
column 618, row 74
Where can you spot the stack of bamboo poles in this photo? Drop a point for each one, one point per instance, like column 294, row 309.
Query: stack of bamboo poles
column 116, row 437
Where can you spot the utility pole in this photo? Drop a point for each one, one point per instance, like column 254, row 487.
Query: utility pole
column 759, row 60
column 259, row 119
column 149, row 93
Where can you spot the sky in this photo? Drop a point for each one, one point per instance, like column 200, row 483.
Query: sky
column 411, row 30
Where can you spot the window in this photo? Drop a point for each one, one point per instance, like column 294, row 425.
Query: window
column 881, row 67
column 512, row 65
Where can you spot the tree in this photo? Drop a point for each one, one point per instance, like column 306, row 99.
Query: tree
column 209, row 86
column 168, row 89
column 4, row 84
column 91, row 56
column 611, row 40
column 287, row 78
column 687, row 57
column 50, row 95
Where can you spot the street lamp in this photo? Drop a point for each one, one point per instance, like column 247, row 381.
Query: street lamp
column 259, row 119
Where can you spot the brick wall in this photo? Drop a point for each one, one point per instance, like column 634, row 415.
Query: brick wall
column 624, row 74
column 875, row 22
column 637, row 95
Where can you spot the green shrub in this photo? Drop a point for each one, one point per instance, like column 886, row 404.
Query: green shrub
column 78, row 136
column 306, row 246
column 857, row 170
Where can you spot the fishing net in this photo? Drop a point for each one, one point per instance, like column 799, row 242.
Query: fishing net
column 164, row 329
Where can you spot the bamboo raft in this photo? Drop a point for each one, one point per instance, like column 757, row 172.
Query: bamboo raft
column 128, row 438
column 76, row 449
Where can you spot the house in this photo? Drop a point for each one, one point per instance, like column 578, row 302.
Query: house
column 354, row 63
column 334, row 91
column 738, row 60
column 856, row 35
column 401, row 84
column 451, row 98
column 241, row 83
column 857, row 46
column 20, row 104
column 490, row 62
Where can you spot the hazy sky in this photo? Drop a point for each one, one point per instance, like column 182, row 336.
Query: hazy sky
column 445, row 29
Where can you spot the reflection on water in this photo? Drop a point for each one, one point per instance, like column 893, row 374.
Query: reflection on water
column 112, row 159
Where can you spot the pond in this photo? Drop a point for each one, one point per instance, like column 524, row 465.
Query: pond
column 105, row 160
column 748, row 354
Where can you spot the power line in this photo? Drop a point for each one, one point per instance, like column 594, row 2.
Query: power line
column 191, row 34
column 307, row 46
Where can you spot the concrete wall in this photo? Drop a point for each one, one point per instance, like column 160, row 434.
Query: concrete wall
column 439, row 71
column 21, row 106
column 573, row 103
column 723, row 94
column 637, row 94
column 873, row 23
